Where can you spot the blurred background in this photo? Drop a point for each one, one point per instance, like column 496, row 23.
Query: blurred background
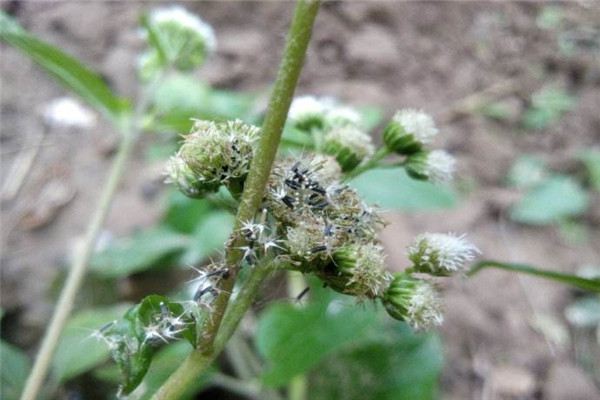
column 514, row 88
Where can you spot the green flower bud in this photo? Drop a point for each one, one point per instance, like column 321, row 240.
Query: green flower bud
column 349, row 145
column 213, row 154
column 436, row 166
column 414, row 301
column 184, row 39
column 361, row 269
column 408, row 131
column 440, row 254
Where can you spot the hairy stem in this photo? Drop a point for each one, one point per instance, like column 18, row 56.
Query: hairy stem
column 260, row 169
column 373, row 162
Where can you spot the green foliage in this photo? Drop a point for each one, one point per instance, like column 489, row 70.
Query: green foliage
column 553, row 200
column 139, row 252
column 209, row 236
column 547, row 107
column 66, row 69
column 14, row 367
column 587, row 284
column 78, row 351
column 591, row 160
column 393, row 189
column 332, row 341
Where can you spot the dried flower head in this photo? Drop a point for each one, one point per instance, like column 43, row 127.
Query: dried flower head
column 414, row 301
column 441, row 254
column 436, row 166
column 409, row 130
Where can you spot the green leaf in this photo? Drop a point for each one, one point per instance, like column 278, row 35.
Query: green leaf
column 183, row 213
column 66, row 69
column 590, row 285
column 78, row 351
column 591, row 159
column 14, row 368
column 547, row 107
column 556, row 198
column 139, row 252
column 164, row 363
column 371, row 117
column 209, row 236
column 392, row 188
column 294, row 339
column 397, row 365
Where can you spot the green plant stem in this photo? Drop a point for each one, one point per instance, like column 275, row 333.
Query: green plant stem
column 297, row 388
column 237, row 386
column 260, row 169
column 590, row 285
column 76, row 273
column 129, row 128
column 372, row 163
column 198, row 362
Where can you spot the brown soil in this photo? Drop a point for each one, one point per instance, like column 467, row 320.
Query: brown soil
column 429, row 55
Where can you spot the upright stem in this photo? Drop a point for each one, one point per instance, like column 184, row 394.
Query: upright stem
column 76, row 273
column 224, row 319
column 260, row 169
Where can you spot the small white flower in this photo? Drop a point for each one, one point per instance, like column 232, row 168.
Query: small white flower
column 304, row 108
column 351, row 138
column 424, row 308
column 416, row 123
column 440, row 166
column 68, row 112
column 179, row 15
column 343, row 115
column 441, row 254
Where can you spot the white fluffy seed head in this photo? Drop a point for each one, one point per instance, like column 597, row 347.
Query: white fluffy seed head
column 439, row 166
column 69, row 113
column 351, row 138
column 417, row 123
column 180, row 16
column 441, row 254
column 307, row 107
column 424, row 308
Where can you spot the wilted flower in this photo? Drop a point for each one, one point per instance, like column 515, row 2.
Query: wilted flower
column 69, row 113
column 408, row 131
column 441, row 254
column 436, row 166
column 414, row 301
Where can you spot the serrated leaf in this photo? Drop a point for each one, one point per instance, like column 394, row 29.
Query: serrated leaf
column 78, row 351
column 14, row 368
column 66, row 69
column 556, row 198
column 394, row 366
column 138, row 252
column 393, row 189
column 293, row 339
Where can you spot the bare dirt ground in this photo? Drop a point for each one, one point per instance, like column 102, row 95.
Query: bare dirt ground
column 429, row 55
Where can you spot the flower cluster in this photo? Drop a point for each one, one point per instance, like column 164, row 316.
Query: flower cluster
column 177, row 38
column 213, row 154
column 336, row 129
column 408, row 134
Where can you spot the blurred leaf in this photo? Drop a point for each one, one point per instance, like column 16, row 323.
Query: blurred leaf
column 556, row 198
column 526, row 172
column 547, row 107
column 138, row 252
column 397, row 365
column 584, row 313
column 66, row 69
column 14, row 368
column 78, row 351
column 591, row 159
column 590, row 285
column 499, row 111
column 210, row 235
column 164, row 363
column 393, row 189
column 371, row 117
column 294, row 339
column 183, row 213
